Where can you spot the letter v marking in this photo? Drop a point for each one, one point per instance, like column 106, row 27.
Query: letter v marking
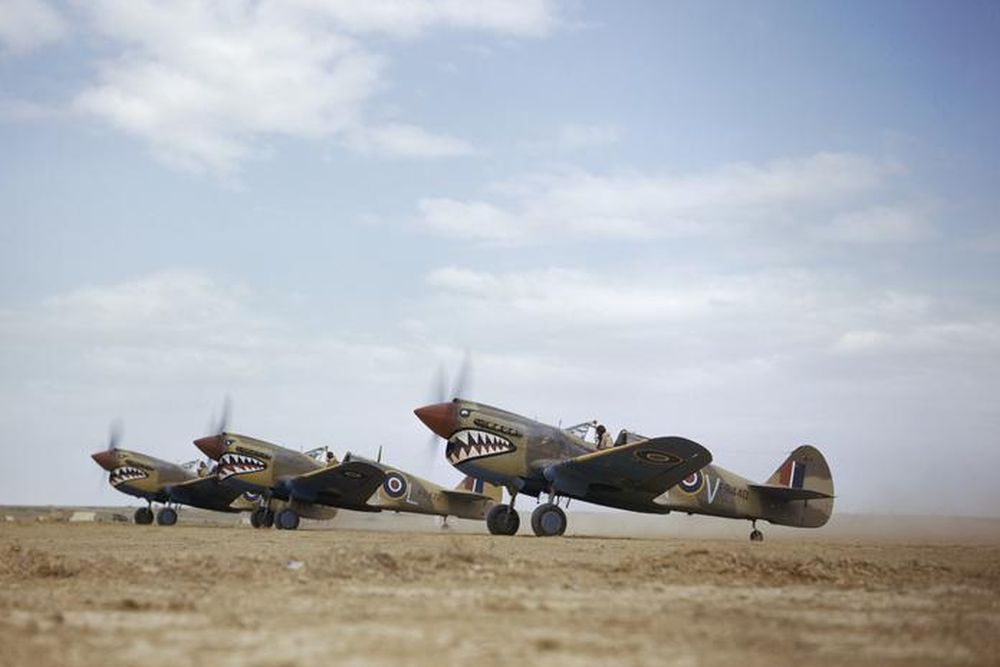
column 712, row 490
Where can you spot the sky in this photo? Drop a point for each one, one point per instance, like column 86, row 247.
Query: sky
column 755, row 224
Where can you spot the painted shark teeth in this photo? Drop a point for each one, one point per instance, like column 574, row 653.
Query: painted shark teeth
column 471, row 444
column 238, row 464
column 125, row 474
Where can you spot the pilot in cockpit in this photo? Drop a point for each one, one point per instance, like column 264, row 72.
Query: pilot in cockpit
column 603, row 437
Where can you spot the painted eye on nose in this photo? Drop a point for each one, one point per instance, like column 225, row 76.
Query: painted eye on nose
column 464, row 412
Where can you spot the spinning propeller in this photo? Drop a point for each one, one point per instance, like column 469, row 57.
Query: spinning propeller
column 213, row 446
column 440, row 394
column 106, row 457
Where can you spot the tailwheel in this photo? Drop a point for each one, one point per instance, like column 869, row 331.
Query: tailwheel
column 756, row 535
column 144, row 516
column 167, row 516
column 548, row 520
column 287, row 519
column 503, row 520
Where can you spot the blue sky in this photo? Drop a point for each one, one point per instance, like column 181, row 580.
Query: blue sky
column 752, row 224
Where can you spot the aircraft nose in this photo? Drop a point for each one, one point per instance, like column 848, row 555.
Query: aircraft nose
column 213, row 446
column 105, row 458
column 439, row 418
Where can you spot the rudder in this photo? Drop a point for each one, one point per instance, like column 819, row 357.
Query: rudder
column 805, row 468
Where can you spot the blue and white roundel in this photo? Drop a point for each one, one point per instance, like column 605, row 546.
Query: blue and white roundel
column 692, row 483
column 394, row 485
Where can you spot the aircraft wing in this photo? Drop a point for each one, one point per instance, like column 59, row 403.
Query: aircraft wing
column 646, row 467
column 786, row 493
column 204, row 492
column 347, row 485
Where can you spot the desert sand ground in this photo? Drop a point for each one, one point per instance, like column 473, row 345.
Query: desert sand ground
column 401, row 591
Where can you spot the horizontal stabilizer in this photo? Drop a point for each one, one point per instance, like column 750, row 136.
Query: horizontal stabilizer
column 787, row 493
column 464, row 495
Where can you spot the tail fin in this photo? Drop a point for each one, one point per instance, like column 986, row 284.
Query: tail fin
column 473, row 485
column 805, row 470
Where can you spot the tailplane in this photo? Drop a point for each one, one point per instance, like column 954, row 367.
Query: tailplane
column 803, row 486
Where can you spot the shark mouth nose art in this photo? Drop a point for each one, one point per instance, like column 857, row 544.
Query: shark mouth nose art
column 471, row 444
column 238, row 464
column 125, row 474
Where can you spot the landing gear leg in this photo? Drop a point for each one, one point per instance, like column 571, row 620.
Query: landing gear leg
column 263, row 516
column 756, row 535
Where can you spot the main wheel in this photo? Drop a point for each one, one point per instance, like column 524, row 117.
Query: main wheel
column 255, row 517
column 267, row 518
column 756, row 536
column 503, row 520
column 548, row 520
column 144, row 516
column 167, row 516
column 287, row 519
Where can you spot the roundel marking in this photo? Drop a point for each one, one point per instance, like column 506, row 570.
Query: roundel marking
column 692, row 483
column 394, row 485
column 251, row 496
column 657, row 457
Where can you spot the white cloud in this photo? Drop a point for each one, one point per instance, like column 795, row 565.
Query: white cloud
column 19, row 111
column 572, row 204
column 26, row 25
column 408, row 18
column 475, row 220
column 408, row 141
column 702, row 318
column 878, row 224
column 203, row 83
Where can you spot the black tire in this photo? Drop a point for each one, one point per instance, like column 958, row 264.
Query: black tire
column 287, row 519
column 143, row 516
column 167, row 516
column 267, row 518
column 548, row 520
column 503, row 520
column 756, row 536
column 255, row 518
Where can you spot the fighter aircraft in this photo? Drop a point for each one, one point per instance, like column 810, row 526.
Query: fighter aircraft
column 652, row 475
column 156, row 480
column 308, row 485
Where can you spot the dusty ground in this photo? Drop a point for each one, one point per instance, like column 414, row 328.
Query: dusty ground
column 113, row 594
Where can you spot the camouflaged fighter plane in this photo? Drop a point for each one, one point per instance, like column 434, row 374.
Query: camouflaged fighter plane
column 156, row 480
column 652, row 475
column 309, row 485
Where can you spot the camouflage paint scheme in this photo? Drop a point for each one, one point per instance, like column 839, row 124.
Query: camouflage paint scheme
column 357, row 483
column 652, row 475
column 156, row 480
